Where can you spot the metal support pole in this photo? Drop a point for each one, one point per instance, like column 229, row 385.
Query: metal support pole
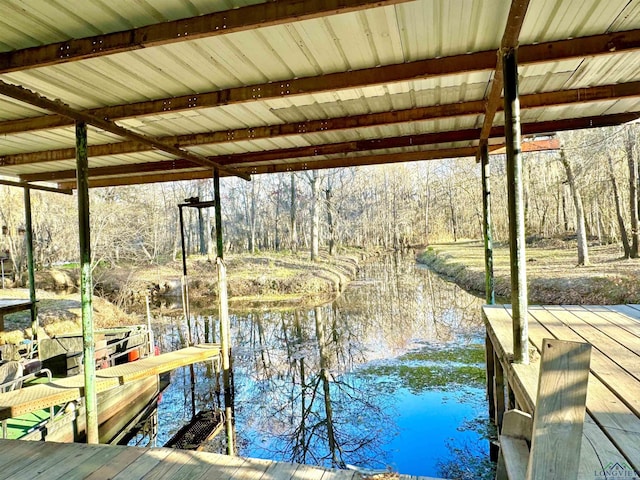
column 86, row 285
column 486, row 210
column 185, row 280
column 30, row 266
column 516, row 208
column 216, row 199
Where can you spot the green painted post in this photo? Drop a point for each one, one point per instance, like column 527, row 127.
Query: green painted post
column 486, row 223
column 86, row 284
column 516, row 208
column 30, row 265
column 216, row 199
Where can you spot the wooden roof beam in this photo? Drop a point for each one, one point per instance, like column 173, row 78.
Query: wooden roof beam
column 536, row 100
column 604, row 44
column 27, row 96
column 515, row 20
column 288, row 159
column 219, row 23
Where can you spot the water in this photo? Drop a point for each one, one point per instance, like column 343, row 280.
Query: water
column 389, row 376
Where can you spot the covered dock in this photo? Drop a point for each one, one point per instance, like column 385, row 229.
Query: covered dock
column 98, row 93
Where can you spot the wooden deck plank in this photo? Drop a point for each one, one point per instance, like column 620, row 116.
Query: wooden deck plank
column 280, row 471
column 623, row 316
column 219, row 467
column 124, row 458
column 81, row 459
column 594, row 330
column 253, row 469
column 176, row 461
column 101, row 456
column 17, row 458
column 69, row 461
column 58, row 392
column 604, row 368
column 141, row 465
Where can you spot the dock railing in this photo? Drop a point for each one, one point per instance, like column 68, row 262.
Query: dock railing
column 549, row 442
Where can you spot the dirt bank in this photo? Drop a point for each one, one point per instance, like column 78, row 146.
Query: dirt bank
column 553, row 277
column 266, row 280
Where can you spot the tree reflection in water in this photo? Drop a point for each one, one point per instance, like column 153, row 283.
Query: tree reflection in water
column 324, row 386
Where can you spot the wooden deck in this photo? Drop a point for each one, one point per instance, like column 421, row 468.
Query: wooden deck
column 612, row 424
column 22, row 460
column 37, row 397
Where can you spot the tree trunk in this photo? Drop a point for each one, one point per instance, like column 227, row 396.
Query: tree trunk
column 581, row 236
column 632, row 161
column 292, row 215
column 617, row 202
column 315, row 215
column 328, row 196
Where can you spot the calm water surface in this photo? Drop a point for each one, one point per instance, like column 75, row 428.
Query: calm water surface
column 389, row 376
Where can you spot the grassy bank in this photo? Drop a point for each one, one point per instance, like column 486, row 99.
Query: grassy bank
column 265, row 280
column 552, row 274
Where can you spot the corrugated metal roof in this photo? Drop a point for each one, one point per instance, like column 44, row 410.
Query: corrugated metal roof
column 364, row 39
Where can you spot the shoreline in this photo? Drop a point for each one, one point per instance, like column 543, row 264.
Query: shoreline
column 552, row 275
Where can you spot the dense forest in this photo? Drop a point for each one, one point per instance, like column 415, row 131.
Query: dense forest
column 587, row 189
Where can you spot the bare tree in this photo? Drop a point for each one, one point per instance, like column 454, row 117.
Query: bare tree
column 581, row 235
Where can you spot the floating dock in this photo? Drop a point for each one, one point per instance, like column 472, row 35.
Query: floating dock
column 57, row 392
column 611, row 431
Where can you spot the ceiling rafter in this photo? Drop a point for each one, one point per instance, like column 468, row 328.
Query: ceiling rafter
column 269, row 160
column 517, row 13
column 536, row 100
column 27, row 96
column 604, row 44
column 219, row 23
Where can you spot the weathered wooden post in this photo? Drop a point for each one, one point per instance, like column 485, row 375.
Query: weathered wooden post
column 30, row 265
column 86, row 285
column 486, row 210
column 516, row 207
column 225, row 326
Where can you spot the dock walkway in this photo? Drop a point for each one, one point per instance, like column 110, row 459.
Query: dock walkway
column 60, row 391
column 611, row 433
column 23, row 460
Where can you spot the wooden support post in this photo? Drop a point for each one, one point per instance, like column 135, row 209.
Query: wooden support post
column 225, row 344
column 490, row 360
column 498, row 392
column 86, row 285
column 486, row 210
column 218, row 209
column 516, row 208
column 30, row 266
column 560, row 410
